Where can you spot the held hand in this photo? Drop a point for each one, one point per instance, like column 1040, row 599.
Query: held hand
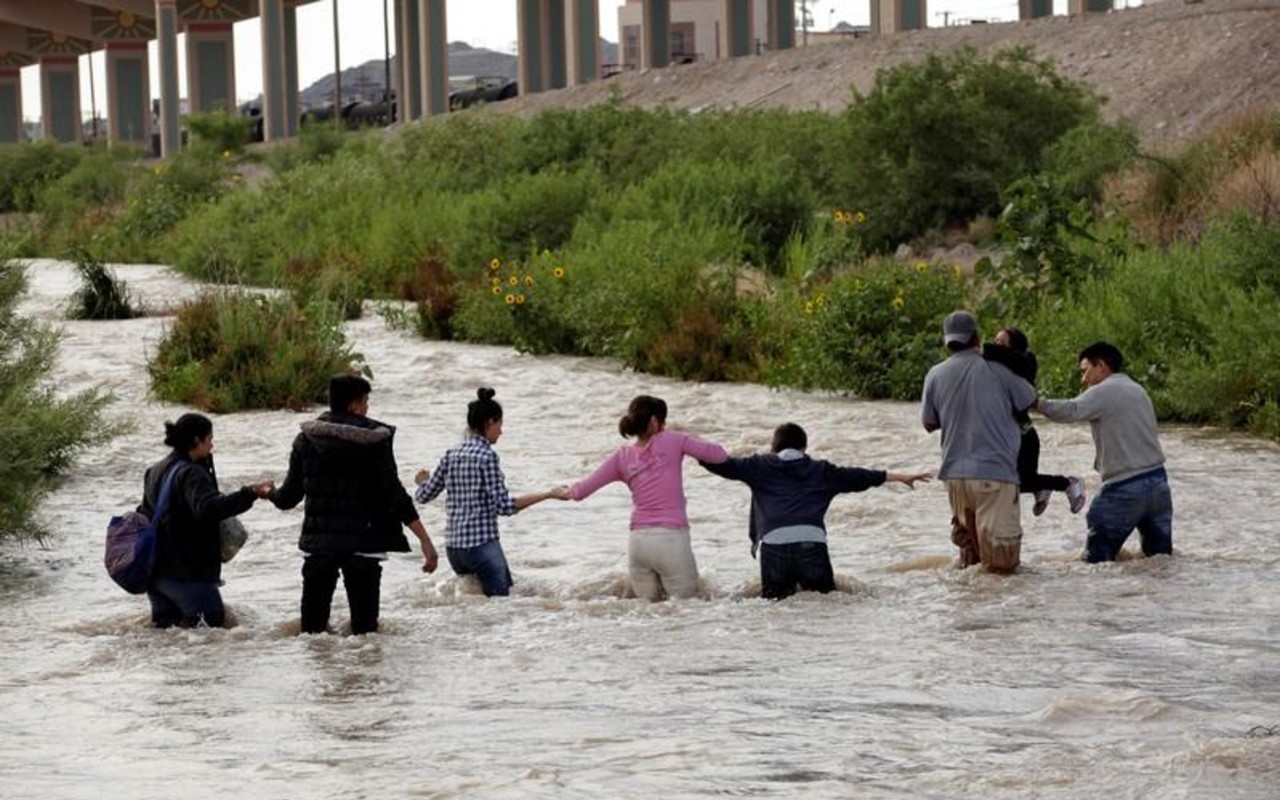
column 263, row 489
column 911, row 479
column 421, row 476
column 430, row 559
column 559, row 493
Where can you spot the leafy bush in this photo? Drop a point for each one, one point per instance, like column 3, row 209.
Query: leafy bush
column 101, row 294
column 231, row 351
column 872, row 332
column 220, row 132
column 933, row 143
column 25, row 169
column 43, row 431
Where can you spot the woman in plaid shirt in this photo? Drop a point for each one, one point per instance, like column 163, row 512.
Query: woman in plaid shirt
column 477, row 495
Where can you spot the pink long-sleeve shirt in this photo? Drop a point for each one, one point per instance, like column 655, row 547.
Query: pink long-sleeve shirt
column 653, row 473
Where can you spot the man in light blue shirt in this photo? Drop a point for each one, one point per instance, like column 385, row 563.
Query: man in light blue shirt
column 1135, row 488
column 972, row 402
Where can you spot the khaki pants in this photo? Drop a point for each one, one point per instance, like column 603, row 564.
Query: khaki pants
column 662, row 563
column 985, row 523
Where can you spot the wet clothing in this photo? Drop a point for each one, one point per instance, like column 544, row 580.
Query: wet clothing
column 487, row 562
column 653, row 473
column 1024, row 365
column 187, row 546
column 661, row 564
column 1135, row 488
column 790, row 495
column 1123, row 423
column 344, row 467
column 985, row 523
column 973, row 400
column 476, row 493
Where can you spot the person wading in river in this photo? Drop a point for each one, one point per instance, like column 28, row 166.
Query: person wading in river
column 1135, row 488
column 344, row 465
column 972, row 401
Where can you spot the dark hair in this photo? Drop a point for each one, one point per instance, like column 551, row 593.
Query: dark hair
column 483, row 410
column 789, row 436
column 1017, row 340
column 345, row 390
column 1105, row 352
column 641, row 410
column 189, row 429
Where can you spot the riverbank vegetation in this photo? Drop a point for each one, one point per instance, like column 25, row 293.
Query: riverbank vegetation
column 794, row 248
column 44, row 430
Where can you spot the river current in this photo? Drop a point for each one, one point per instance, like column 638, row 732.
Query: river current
column 1147, row 678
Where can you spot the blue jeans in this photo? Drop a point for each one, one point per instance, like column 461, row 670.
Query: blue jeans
column 783, row 566
column 1141, row 502
column 487, row 562
column 185, row 603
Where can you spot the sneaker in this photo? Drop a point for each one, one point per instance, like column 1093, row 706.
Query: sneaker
column 1042, row 501
column 1075, row 494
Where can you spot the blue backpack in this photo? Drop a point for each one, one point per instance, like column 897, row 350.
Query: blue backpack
column 131, row 542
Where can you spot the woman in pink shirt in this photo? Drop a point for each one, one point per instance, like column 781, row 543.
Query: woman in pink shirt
column 659, row 550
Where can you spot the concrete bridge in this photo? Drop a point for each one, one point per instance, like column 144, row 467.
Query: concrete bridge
column 558, row 46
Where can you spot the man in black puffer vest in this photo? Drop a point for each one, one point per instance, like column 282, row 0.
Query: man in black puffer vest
column 344, row 464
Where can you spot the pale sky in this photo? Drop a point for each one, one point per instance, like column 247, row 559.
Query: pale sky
column 480, row 23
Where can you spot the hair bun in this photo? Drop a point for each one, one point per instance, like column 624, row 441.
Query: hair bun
column 485, row 393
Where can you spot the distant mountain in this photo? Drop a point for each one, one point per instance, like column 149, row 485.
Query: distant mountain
column 367, row 81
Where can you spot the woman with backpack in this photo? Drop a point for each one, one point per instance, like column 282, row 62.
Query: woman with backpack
column 184, row 581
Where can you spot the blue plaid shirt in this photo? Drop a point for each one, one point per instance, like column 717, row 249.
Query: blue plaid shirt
column 477, row 493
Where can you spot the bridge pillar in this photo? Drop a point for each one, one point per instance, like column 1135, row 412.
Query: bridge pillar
column 736, row 28
column 167, row 40
column 782, row 24
column 211, row 67
column 1075, row 7
column 655, row 34
column 433, row 48
column 128, row 93
column 542, row 49
column 1034, row 9
column 275, row 91
column 582, row 30
column 292, row 113
column 409, row 95
column 892, row 16
column 60, row 98
column 11, row 105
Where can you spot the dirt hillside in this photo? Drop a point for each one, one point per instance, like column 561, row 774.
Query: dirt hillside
column 1174, row 69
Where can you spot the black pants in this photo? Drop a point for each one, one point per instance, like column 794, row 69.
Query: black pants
column 1029, row 467
column 783, row 566
column 362, row 578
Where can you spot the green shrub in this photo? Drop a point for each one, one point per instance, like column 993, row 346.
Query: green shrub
column 101, row 295
column 933, row 143
column 44, row 431
column 26, row 169
column 232, row 351
column 872, row 332
column 220, row 132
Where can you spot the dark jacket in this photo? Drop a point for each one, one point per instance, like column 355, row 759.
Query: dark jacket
column 787, row 492
column 1023, row 364
column 345, row 467
column 187, row 546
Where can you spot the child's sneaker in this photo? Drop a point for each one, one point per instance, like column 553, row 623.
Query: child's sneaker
column 1075, row 494
column 1042, row 501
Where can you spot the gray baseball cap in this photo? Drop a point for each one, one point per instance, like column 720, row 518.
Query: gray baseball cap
column 959, row 327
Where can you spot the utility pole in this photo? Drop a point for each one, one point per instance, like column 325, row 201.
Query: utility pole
column 337, row 72
column 946, row 16
column 386, row 53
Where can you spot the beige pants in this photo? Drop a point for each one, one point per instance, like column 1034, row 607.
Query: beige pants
column 985, row 523
column 662, row 563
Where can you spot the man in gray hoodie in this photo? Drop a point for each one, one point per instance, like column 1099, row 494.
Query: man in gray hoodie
column 1135, row 488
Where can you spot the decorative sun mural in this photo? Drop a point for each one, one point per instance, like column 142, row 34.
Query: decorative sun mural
column 52, row 42
column 213, row 10
column 11, row 59
column 121, row 25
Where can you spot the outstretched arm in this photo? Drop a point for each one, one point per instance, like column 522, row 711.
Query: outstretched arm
column 909, row 478
column 526, row 500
